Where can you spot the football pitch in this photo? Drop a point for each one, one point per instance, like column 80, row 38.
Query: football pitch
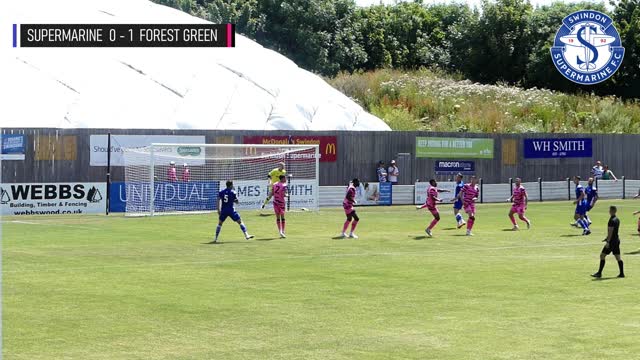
column 98, row 287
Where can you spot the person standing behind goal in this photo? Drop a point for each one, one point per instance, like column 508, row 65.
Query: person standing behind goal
column 274, row 177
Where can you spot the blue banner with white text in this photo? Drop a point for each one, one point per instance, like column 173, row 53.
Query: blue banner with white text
column 169, row 196
column 558, row 148
column 386, row 193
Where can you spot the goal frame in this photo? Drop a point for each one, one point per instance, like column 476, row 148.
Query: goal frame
column 316, row 148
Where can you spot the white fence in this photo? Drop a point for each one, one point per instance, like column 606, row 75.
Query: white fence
column 332, row 196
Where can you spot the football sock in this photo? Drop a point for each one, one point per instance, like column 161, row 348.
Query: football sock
column 523, row 218
column 583, row 223
column 353, row 226
column 601, row 267
column 279, row 225
column 243, row 228
column 282, row 224
column 586, row 217
column 459, row 218
column 638, row 224
column 218, row 230
column 513, row 219
column 346, row 226
column 470, row 224
column 621, row 267
column 433, row 223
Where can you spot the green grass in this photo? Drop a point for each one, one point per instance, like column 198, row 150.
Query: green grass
column 431, row 100
column 148, row 288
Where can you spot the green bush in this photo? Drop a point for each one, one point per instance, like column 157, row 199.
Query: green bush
column 428, row 99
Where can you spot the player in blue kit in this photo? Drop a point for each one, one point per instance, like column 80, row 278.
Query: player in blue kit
column 457, row 206
column 592, row 197
column 227, row 199
column 581, row 206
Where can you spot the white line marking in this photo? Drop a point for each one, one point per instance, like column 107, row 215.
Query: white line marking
column 48, row 224
column 299, row 257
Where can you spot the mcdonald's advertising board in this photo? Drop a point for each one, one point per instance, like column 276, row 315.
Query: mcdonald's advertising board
column 328, row 144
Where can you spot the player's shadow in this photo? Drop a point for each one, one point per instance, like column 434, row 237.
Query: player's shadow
column 606, row 278
column 422, row 237
column 266, row 239
column 511, row 230
column 571, row 235
column 451, row 228
column 266, row 214
column 637, row 252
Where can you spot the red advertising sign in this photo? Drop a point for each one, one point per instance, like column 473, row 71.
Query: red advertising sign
column 328, row 144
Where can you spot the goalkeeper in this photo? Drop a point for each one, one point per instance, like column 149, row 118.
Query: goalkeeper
column 274, row 177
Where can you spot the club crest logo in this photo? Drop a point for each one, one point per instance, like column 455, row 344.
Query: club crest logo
column 587, row 48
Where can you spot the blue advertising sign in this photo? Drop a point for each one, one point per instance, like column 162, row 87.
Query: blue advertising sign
column 386, row 193
column 557, row 148
column 447, row 167
column 169, row 196
column 13, row 146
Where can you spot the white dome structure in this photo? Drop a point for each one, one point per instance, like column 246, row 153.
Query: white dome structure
column 246, row 87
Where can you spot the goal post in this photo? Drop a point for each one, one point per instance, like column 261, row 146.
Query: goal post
column 186, row 178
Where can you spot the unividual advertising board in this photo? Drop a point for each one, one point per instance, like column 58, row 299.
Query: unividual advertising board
column 52, row 198
column 122, row 143
column 168, row 196
column 558, row 148
column 202, row 195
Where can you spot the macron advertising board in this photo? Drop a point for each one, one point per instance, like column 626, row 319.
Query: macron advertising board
column 52, row 198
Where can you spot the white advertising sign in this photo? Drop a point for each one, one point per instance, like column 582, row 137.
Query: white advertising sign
column 367, row 194
column 252, row 193
column 52, row 198
column 421, row 188
column 121, row 143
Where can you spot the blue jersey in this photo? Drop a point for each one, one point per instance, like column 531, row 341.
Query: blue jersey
column 580, row 191
column 459, row 187
column 592, row 192
column 228, row 197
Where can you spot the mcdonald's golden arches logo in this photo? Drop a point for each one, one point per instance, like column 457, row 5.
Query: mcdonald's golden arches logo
column 330, row 148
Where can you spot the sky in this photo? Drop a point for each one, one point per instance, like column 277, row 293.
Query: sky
column 470, row 2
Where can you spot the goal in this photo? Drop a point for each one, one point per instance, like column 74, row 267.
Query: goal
column 186, row 178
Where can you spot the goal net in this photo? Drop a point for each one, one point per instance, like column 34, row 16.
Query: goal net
column 186, row 178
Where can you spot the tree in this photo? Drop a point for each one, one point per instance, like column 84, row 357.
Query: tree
column 626, row 16
column 500, row 42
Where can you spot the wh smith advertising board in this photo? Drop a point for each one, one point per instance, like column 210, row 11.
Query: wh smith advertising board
column 420, row 196
column 169, row 196
column 252, row 193
column 122, row 143
column 558, row 148
column 52, row 198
